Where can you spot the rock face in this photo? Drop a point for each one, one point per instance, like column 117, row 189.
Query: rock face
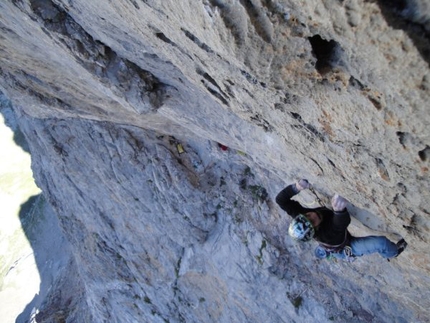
column 124, row 102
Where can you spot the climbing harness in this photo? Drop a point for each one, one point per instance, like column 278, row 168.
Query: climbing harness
column 336, row 248
column 342, row 248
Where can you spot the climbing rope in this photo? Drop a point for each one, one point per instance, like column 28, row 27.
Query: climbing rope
column 314, row 202
column 317, row 197
column 308, row 205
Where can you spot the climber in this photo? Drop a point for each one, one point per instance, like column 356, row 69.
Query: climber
column 329, row 228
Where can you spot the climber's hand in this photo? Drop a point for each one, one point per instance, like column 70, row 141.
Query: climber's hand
column 302, row 184
column 338, row 203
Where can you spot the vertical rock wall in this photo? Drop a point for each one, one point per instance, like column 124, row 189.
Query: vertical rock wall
column 333, row 91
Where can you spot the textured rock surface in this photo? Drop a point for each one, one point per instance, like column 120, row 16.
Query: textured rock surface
column 333, row 91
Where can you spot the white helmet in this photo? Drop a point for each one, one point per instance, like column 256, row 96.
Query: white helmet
column 301, row 228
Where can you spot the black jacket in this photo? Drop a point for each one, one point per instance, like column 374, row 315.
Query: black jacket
column 333, row 229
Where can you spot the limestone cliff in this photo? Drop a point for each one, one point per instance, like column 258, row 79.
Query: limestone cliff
column 124, row 102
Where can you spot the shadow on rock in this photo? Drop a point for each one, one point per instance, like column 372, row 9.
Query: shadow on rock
column 10, row 120
column 399, row 16
column 50, row 249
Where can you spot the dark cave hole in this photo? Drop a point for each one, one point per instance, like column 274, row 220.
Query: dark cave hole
column 326, row 53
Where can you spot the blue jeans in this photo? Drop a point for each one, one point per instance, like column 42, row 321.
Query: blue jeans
column 363, row 246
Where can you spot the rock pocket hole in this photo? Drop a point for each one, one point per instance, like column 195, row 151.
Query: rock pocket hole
column 424, row 154
column 163, row 37
column 402, row 137
column 327, row 53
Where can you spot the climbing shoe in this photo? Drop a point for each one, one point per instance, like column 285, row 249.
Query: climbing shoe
column 401, row 246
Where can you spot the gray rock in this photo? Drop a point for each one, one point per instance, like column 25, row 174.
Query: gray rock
column 124, row 103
